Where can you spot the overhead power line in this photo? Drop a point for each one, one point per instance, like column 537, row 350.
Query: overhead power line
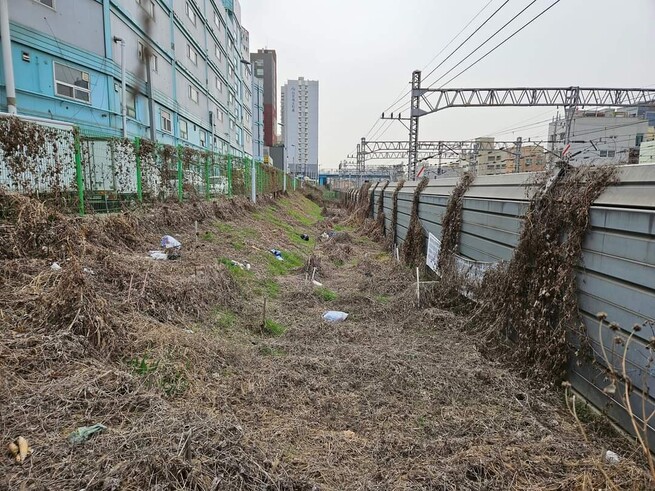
column 469, row 37
column 481, row 45
column 499, row 44
column 405, row 92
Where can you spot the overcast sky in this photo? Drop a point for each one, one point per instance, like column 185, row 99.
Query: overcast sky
column 363, row 52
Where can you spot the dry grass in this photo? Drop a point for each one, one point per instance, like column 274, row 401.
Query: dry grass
column 196, row 397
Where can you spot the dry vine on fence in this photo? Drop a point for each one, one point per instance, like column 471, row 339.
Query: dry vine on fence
column 392, row 236
column 452, row 223
column 33, row 155
column 533, row 301
column 414, row 244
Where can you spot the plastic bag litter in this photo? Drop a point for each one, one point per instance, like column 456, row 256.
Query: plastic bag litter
column 168, row 242
column 611, row 457
column 83, row 433
column 55, row 266
column 158, row 255
column 244, row 265
column 334, row 316
column 277, row 254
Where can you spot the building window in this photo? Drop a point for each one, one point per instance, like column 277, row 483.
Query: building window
column 141, row 50
column 232, row 124
column 191, row 54
column 203, row 138
column 611, row 153
column 148, row 6
column 217, row 52
column 184, row 130
column 194, row 95
column 219, row 85
column 603, row 153
column 130, row 103
column 217, row 21
column 47, row 3
column 190, row 13
column 72, row 83
column 166, row 122
column 219, row 115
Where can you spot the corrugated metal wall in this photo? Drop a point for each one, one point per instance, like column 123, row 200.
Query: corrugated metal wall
column 616, row 275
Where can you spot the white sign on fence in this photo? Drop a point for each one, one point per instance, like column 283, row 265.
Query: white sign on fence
column 432, row 257
column 471, row 270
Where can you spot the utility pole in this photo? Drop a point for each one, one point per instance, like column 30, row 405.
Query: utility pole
column 357, row 166
column 413, row 123
column 572, row 101
column 151, row 103
column 121, row 41
column 363, row 162
column 8, row 63
column 440, row 155
column 517, row 155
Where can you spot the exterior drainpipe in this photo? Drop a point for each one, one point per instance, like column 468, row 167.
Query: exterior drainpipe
column 8, row 62
column 123, row 88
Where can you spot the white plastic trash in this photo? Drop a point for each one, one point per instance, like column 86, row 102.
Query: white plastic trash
column 55, row 266
column 158, row 255
column 168, row 242
column 335, row 316
column 611, row 457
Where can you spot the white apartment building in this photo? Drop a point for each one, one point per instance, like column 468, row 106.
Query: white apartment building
column 484, row 158
column 598, row 137
column 300, row 126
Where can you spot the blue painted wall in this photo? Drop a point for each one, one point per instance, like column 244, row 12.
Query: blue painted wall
column 40, row 38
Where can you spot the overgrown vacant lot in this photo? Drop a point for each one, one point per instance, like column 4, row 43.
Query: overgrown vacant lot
column 208, row 376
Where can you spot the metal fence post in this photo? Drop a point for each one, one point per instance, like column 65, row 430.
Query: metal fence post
column 207, row 193
column 78, row 170
column 229, row 174
column 180, row 175
column 139, row 177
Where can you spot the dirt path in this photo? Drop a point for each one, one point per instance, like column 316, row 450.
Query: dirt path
column 397, row 398
column 392, row 398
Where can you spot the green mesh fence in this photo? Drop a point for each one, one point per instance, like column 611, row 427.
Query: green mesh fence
column 89, row 172
column 119, row 173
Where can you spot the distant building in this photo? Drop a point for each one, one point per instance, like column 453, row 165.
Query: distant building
column 647, row 153
column 532, row 159
column 67, row 66
column 257, row 116
column 277, row 154
column 484, row 159
column 265, row 66
column 300, row 126
column 603, row 136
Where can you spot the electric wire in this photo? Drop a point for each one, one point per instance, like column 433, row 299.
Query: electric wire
column 404, row 92
column 407, row 92
column 481, row 45
column 471, row 35
column 497, row 46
